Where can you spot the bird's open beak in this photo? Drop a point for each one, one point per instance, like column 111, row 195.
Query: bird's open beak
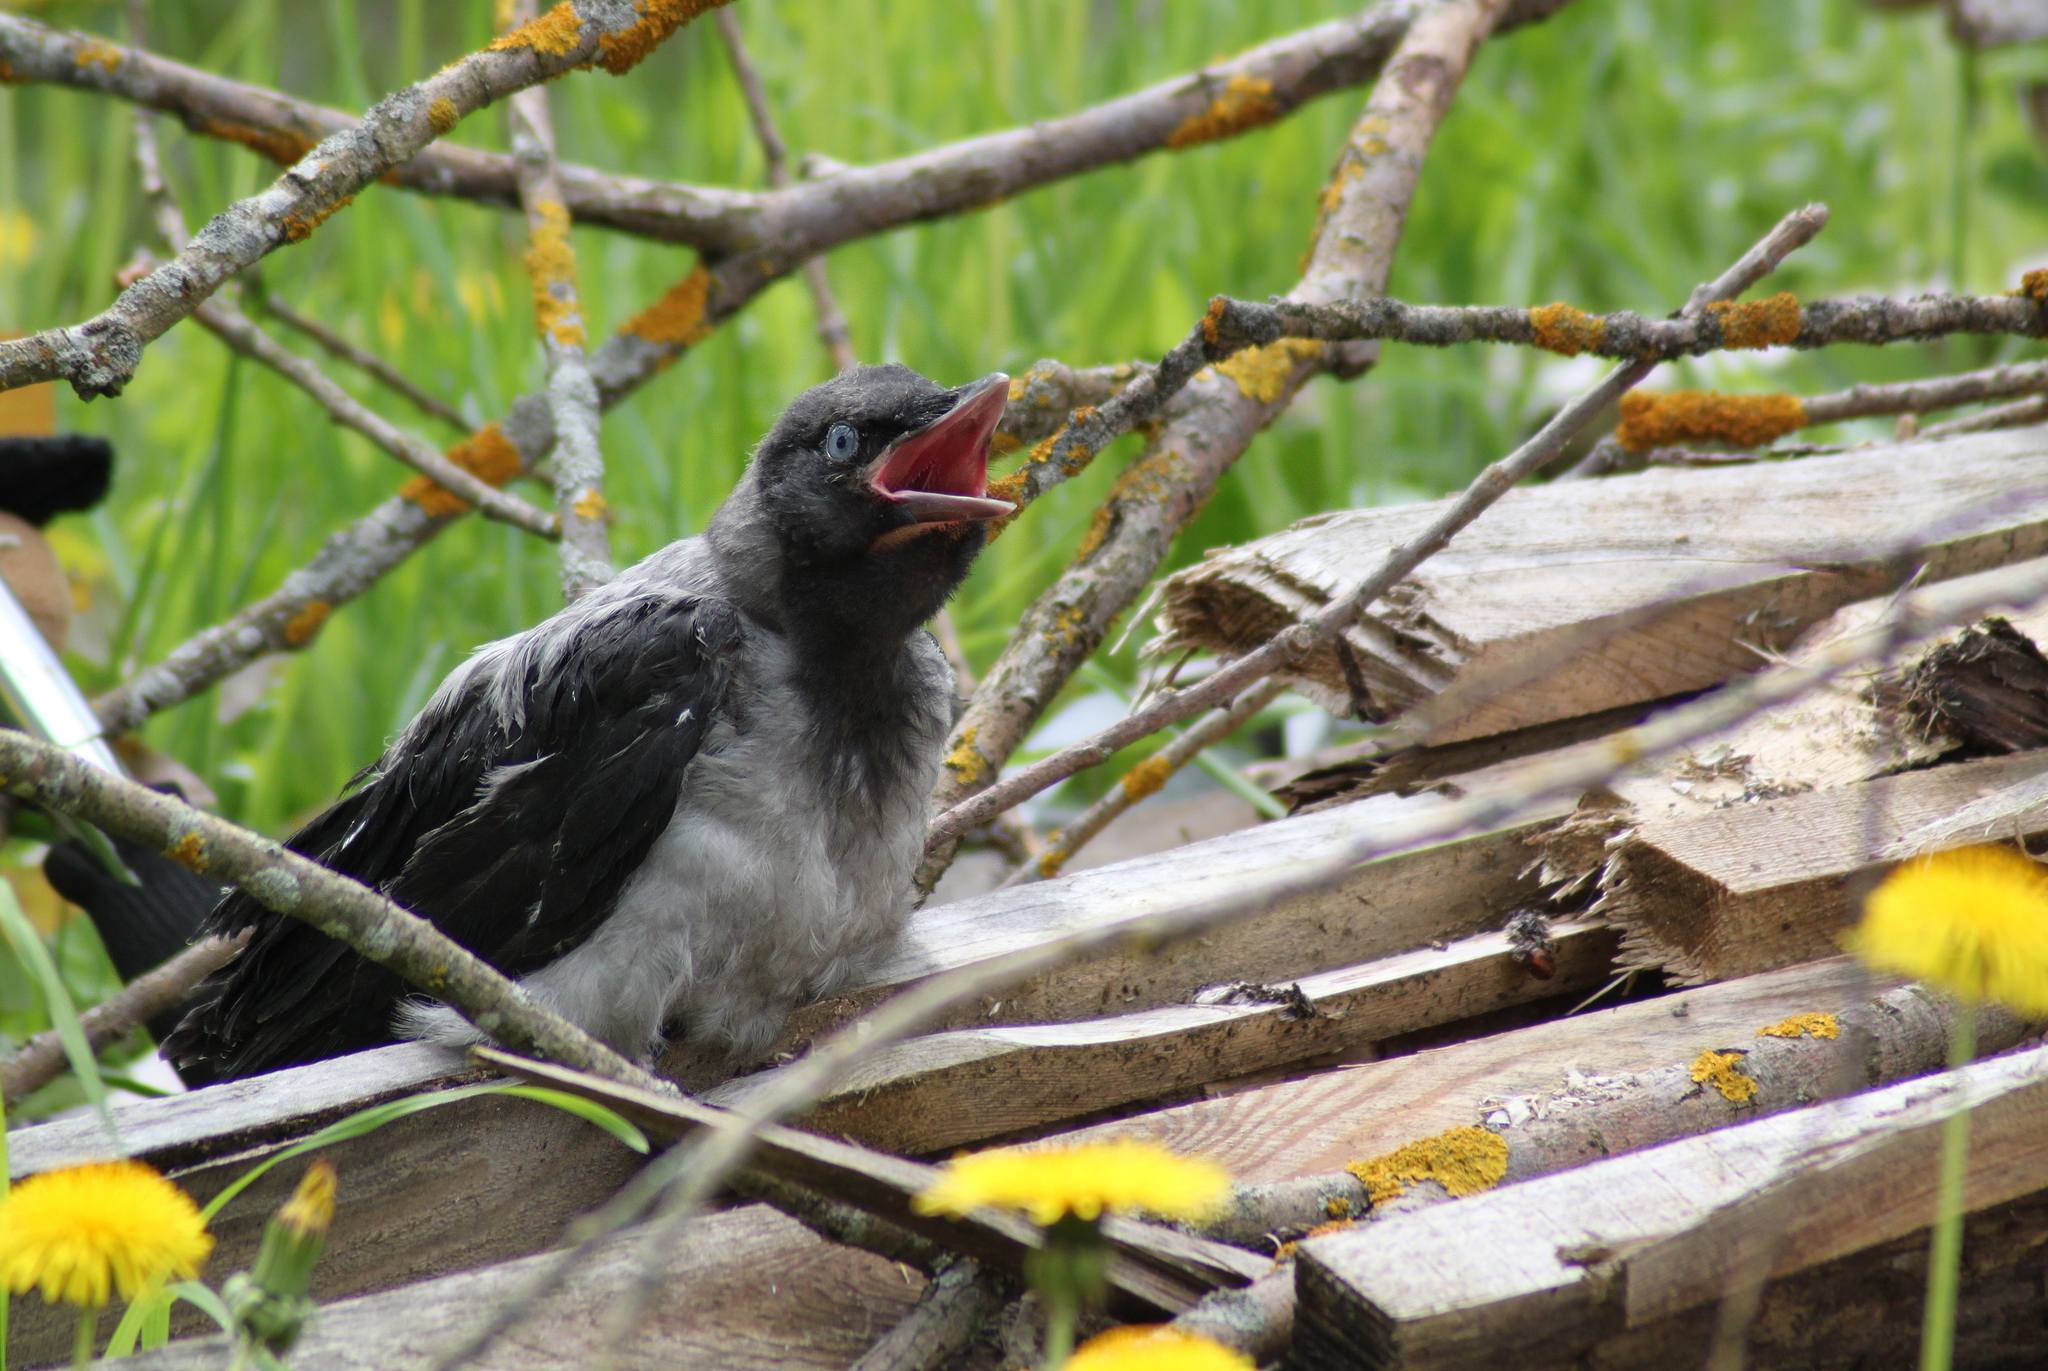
column 940, row 472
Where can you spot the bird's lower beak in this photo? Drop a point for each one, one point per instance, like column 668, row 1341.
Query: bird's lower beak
column 940, row 472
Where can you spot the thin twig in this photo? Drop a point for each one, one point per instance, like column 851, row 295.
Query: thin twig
column 156, row 188
column 365, row 361
column 586, row 547
column 2029, row 411
column 41, row 1059
column 242, row 333
column 833, row 330
column 99, row 355
column 1793, row 231
column 283, row 880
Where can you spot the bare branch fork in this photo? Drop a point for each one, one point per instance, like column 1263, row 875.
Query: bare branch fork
column 1793, row 231
column 99, row 355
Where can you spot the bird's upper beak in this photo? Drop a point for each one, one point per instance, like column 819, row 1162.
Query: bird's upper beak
column 940, row 472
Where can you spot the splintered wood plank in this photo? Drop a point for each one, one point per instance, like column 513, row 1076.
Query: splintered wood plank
column 1320, row 1123
column 949, row 1088
column 1542, row 1272
column 1726, row 892
column 1594, row 594
column 747, row 1290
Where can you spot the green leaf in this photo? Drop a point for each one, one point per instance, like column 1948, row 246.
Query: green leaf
column 197, row 1295
column 589, row 1111
column 28, row 945
column 133, row 1321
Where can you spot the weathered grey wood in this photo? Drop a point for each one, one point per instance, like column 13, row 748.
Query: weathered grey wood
column 946, row 1089
column 1603, row 593
column 1159, row 1266
column 1318, row 1124
column 748, row 1290
column 1548, row 1268
column 1725, row 892
column 477, row 1181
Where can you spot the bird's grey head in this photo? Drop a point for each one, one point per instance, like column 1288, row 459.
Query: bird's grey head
column 867, row 502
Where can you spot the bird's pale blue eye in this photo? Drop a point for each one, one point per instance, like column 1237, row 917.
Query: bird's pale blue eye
column 841, row 442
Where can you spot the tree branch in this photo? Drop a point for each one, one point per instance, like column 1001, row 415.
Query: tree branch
column 833, row 330
column 363, row 360
column 586, row 549
column 1213, row 420
column 100, row 355
column 1792, row 232
column 283, row 880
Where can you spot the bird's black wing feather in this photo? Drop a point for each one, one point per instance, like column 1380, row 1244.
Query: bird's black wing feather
column 514, row 840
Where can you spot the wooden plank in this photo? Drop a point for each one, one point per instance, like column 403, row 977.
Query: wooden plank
column 1707, row 896
column 477, row 1181
column 1316, row 1125
column 1558, row 582
column 945, row 1089
column 1547, row 1268
column 748, row 1290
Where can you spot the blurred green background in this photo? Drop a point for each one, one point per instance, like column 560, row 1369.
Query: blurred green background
column 1613, row 156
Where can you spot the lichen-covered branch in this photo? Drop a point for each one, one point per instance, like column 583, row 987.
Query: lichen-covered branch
column 241, row 333
column 363, row 360
column 1214, row 418
column 1224, row 685
column 42, row 1058
column 833, row 330
column 1228, row 98
column 99, row 355
column 283, row 880
column 586, row 549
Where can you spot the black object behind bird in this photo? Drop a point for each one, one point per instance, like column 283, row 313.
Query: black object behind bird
column 44, row 475
column 696, row 796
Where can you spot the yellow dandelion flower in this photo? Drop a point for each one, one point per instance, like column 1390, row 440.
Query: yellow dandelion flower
column 1155, row 1347
column 1084, row 1180
column 85, row 1231
column 1973, row 921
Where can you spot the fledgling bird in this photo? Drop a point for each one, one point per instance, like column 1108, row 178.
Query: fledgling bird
column 693, row 798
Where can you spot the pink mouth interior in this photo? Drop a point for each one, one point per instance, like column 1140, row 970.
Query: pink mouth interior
column 950, row 457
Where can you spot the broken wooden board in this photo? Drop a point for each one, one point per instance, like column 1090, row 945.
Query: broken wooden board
column 945, row 1089
column 747, row 1290
column 1540, row 1273
column 1587, row 595
column 1708, row 896
column 1322, row 1122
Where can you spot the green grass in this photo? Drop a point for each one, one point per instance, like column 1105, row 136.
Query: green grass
column 1613, row 156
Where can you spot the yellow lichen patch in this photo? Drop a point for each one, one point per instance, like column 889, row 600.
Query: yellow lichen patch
column 625, row 50
column 282, row 146
column 1566, row 329
column 1098, row 529
column 677, row 319
column 1066, row 626
column 551, row 263
column 1146, row 778
column 300, row 628
column 1718, row 1070
column 1803, row 1025
column 966, row 763
column 1054, row 856
column 1017, row 384
column 1337, row 1207
column 2033, row 284
column 554, row 33
column 443, row 115
column 1758, row 323
column 1261, row 373
column 1705, row 416
column 1009, row 488
column 486, row 454
column 299, row 227
column 97, row 53
column 1464, row 1161
column 590, row 505
column 1246, row 103
column 189, row 852
column 1332, row 195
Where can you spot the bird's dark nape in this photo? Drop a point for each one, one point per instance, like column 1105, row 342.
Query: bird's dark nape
column 694, row 796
